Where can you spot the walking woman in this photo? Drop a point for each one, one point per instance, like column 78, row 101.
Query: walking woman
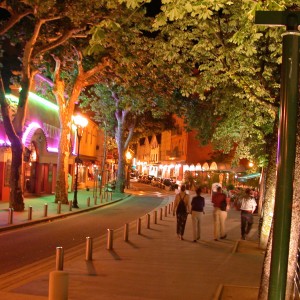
column 181, row 208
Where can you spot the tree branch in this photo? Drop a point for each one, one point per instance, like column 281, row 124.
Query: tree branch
column 59, row 41
column 14, row 19
column 8, row 126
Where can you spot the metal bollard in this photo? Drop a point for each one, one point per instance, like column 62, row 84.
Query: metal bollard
column 101, row 197
column 45, row 210
column 138, row 226
column 161, row 213
column 110, row 236
column 88, row 201
column 89, row 249
column 70, row 205
column 126, row 232
column 148, row 220
column 169, row 207
column 95, row 200
column 10, row 216
column 155, row 217
column 30, row 213
column 110, row 196
column 166, row 212
column 59, row 258
column 58, row 285
column 59, row 207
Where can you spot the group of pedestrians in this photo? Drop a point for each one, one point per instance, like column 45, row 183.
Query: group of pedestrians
column 221, row 203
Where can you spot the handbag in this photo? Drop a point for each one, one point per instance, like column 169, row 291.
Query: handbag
column 223, row 205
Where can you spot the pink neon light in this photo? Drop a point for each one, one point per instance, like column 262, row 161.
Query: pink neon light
column 52, row 149
column 2, row 142
column 33, row 125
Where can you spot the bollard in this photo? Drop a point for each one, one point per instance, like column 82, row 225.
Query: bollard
column 110, row 236
column 45, row 210
column 95, row 200
column 59, row 264
column 161, row 213
column 126, row 232
column 30, row 213
column 89, row 249
column 10, row 216
column 172, row 206
column 70, row 205
column 58, row 285
column 166, row 214
column 155, row 217
column 59, row 207
column 169, row 207
column 88, row 201
column 148, row 221
column 138, row 226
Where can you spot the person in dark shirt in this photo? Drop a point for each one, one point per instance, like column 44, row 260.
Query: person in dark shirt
column 219, row 215
column 197, row 205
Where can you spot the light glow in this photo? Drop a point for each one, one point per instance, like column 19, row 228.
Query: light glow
column 80, row 121
column 34, row 97
column 52, row 149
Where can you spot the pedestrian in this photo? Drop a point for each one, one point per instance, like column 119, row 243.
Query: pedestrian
column 181, row 208
column 197, row 205
column 248, row 206
column 221, row 204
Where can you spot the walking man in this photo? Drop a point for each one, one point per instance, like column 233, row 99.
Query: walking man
column 197, row 204
column 248, row 206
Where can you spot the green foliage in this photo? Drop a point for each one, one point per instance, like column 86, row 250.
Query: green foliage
column 229, row 70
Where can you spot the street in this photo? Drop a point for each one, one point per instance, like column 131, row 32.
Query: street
column 31, row 244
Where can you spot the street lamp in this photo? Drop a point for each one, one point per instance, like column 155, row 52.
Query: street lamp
column 128, row 155
column 80, row 122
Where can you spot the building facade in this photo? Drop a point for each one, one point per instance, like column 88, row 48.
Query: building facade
column 41, row 140
column 174, row 152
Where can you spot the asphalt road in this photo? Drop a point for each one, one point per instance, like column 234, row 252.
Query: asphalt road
column 30, row 244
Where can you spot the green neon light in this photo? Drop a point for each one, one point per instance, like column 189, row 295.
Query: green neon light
column 43, row 101
column 36, row 98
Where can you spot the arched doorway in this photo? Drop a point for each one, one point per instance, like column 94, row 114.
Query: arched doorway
column 30, row 164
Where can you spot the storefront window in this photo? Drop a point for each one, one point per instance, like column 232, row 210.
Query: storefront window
column 7, row 172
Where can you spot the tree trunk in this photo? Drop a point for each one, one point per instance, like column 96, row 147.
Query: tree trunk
column 269, row 196
column 295, row 226
column 16, row 199
column 120, row 182
column 61, row 193
column 265, row 275
column 14, row 132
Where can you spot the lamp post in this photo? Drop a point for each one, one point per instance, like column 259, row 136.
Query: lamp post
column 80, row 123
column 128, row 160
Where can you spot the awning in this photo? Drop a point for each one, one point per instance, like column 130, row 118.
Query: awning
column 248, row 176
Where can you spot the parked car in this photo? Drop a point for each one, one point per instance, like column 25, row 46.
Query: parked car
column 169, row 183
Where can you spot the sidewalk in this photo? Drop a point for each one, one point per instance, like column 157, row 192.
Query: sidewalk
column 38, row 204
column 155, row 264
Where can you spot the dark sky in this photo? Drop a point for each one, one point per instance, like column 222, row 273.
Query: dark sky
column 153, row 8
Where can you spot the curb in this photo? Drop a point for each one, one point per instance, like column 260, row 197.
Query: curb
column 60, row 216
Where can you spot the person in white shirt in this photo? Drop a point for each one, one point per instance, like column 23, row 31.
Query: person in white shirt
column 248, row 205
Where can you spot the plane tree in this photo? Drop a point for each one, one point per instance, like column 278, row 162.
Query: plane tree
column 36, row 29
column 137, row 94
column 226, row 46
